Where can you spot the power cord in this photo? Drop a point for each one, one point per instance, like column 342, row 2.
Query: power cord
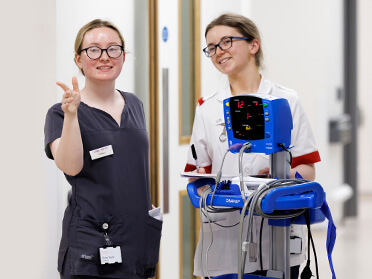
column 261, row 229
column 202, row 204
column 245, row 147
column 306, row 272
column 290, row 153
column 254, row 201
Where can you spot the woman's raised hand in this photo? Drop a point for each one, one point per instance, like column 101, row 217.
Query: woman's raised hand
column 71, row 98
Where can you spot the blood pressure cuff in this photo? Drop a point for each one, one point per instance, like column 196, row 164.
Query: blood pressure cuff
column 331, row 235
column 331, row 231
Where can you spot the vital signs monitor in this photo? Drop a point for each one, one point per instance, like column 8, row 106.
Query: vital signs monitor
column 263, row 120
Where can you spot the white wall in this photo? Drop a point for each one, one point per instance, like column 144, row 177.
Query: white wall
column 364, row 95
column 27, row 74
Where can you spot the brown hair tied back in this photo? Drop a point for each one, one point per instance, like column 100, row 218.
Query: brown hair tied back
column 243, row 25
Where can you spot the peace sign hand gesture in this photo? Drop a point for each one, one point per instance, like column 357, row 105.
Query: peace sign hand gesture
column 71, row 98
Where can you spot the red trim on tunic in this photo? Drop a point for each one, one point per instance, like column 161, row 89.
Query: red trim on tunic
column 309, row 158
column 189, row 167
column 201, row 101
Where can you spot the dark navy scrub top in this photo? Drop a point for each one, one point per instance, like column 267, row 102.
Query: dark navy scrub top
column 113, row 189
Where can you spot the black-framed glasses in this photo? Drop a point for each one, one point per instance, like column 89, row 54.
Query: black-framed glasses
column 224, row 44
column 95, row 52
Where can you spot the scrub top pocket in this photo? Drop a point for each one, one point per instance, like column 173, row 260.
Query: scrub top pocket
column 152, row 246
column 90, row 237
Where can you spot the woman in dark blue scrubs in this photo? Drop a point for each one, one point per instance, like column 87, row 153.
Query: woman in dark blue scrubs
column 97, row 136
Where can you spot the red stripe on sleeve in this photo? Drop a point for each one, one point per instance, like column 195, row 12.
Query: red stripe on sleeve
column 201, row 101
column 310, row 158
column 188, row 167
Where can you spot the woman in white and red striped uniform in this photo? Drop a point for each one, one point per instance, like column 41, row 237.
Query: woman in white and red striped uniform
column 234, row 46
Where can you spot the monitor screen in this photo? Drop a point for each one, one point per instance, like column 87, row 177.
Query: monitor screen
column 247, row 118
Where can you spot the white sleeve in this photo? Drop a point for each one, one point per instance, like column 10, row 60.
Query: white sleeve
column 302, row 136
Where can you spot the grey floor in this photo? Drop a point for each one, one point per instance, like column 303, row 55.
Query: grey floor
column 352, row 252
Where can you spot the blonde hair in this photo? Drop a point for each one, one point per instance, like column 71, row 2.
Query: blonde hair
column 96, row 23
column 243, row 25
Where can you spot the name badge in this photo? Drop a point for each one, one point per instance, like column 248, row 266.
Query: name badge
column 110, row 255
column 101, row 152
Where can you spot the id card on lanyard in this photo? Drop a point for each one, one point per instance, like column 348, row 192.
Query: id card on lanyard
column 110, row 254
